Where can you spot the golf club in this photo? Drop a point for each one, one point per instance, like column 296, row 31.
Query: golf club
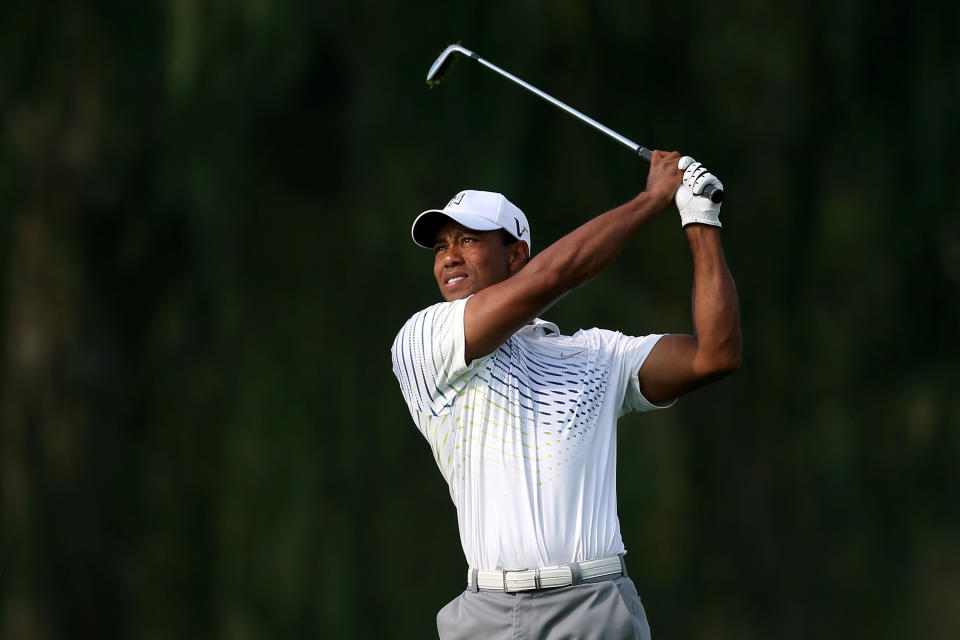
column 442, row 65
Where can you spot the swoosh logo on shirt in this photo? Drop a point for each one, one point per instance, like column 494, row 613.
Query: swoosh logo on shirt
column 564, row 356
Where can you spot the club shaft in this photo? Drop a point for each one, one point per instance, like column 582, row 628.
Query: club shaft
column 710, row 191
column 630, row 144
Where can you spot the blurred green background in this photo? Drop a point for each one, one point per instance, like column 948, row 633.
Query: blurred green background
column 205, row 256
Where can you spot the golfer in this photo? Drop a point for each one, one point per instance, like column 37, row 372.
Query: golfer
column 522, row 418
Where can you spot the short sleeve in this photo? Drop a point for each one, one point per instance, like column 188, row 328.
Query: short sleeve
column 428, row 358
column 635, row 352
column 624, row 356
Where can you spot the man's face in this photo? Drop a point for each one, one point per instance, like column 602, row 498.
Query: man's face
column 466, row 261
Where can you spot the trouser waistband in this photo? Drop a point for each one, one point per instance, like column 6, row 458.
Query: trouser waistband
column 545, row 577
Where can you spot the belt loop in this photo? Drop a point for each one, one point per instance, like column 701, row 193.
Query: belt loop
column 474, row 584
column 576, row 573
column 623, row 566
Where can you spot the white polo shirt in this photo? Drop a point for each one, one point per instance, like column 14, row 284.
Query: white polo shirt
column 526, row 436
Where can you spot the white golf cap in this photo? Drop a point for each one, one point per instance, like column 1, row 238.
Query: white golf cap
column 477, row 210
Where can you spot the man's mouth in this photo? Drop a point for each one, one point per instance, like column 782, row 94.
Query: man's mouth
column 454, row 279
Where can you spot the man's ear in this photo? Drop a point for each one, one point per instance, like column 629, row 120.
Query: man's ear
column 519, row 255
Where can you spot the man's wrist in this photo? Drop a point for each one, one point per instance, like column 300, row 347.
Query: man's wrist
column 649, row 204
column 697, row 232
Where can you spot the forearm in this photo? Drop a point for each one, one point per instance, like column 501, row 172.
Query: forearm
column 716, row 313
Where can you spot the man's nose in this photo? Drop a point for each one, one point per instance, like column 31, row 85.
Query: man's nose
column 452, row 255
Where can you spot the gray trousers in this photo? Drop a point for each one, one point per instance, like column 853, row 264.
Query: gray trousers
column 600, row 608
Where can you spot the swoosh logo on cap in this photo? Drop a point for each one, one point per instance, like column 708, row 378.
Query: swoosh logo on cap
column 520, row 231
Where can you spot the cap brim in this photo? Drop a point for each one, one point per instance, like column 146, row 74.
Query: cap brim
column 424, row 229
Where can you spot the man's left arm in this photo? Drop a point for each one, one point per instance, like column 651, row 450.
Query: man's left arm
column 679, row 363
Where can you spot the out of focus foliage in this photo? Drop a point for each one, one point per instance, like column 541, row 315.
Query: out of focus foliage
column 205, row 255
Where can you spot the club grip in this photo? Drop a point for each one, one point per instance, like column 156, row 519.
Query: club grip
column 710, row 191
column 715, row 194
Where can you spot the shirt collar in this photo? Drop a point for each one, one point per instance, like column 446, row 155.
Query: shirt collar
column 540, row 326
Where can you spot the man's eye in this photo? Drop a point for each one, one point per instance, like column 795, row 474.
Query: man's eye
column 438, row 249
column 466, row 240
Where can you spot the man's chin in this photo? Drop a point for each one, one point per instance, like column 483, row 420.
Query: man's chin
column 457, row 294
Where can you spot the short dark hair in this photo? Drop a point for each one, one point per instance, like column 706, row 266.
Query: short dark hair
column 507, row 238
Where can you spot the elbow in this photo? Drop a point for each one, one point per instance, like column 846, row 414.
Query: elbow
column 730, row 355
column 717, row 369
column 723, row 362
column 729, row 364
column 730, row 359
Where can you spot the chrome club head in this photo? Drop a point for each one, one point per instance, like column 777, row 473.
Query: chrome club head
column 441, row 66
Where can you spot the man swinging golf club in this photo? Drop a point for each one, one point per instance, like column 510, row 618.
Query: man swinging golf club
column 522, row 419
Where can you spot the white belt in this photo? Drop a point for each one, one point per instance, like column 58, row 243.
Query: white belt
column 544, row 577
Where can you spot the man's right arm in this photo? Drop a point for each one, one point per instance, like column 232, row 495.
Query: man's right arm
column 493, row 314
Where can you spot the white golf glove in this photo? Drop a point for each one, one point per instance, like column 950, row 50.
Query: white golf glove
column 694, row 207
